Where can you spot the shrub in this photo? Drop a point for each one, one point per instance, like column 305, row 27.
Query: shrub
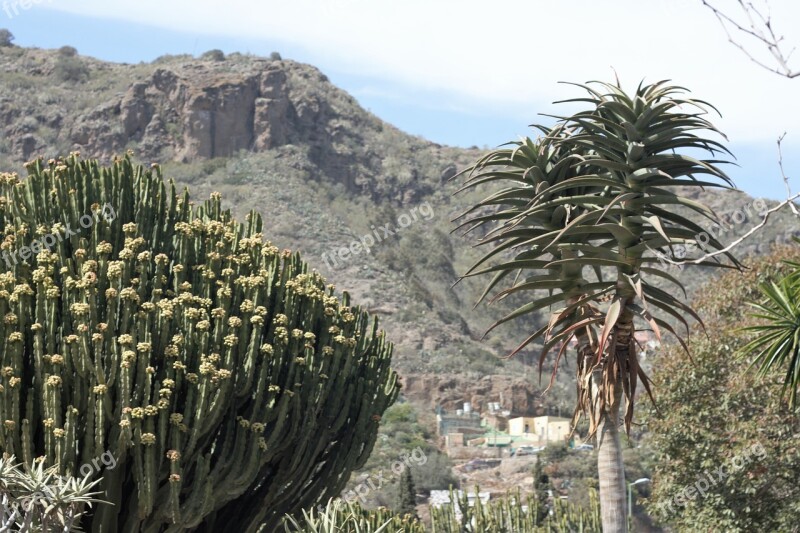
column 437, row 474
column 68, row 51
column 275, row 56
column 213, row 55
column 210, row 166
column 6, row 38
column 70, row 69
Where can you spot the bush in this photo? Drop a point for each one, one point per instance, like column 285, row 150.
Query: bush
column 210, row 166
column 726, row 444
column 398, row 413
column 6, row 38
column 67, row 51
column 275, row 56
column 436, row 474
column 213, row 55
column 70, row 69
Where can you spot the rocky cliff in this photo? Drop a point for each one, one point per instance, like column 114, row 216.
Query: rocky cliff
column 182, row 109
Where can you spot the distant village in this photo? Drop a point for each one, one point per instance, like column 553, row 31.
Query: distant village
column 505, row 443
column 467, row 434
column 497, row 433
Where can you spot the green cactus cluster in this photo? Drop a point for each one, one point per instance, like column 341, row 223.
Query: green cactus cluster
column 512, row 513
column 230, row 384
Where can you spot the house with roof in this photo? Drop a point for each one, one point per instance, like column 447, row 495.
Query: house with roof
column 540, row 429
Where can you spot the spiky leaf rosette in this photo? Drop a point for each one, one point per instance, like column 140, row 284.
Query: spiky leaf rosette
column 777, row 338
column 594, row 194
column 36, row 499
column 230, row 385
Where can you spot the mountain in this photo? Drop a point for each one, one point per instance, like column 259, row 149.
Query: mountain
column 367, row 204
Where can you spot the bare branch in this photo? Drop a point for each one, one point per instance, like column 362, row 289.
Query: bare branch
column 759, row 27
column 731, row 246
column 785, row 177
column 789, row 201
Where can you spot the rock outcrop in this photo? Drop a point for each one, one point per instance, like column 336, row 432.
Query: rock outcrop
column 516, row 394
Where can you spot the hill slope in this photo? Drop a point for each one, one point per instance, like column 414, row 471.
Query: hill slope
column 277, row 136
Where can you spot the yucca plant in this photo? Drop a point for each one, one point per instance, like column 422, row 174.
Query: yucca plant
column 777, row 341
column 586, row 212
column 39, row 500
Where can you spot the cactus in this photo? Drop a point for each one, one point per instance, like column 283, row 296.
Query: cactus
column 512, row 513
column 228, row 382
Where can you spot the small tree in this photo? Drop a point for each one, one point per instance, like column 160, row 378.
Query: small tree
column 726, row 444
column 67, row 51
column 214, row 55
column 6, row 38
column 407, row 495
column 541, row 488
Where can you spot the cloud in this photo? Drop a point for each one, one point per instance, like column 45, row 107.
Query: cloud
column 504, row 55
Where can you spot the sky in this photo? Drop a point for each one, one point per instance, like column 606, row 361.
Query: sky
column 467, row 72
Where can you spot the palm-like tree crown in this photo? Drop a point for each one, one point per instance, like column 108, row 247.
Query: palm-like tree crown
column 594, row 195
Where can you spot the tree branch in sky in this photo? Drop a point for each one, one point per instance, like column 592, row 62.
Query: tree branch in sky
column 756, row 24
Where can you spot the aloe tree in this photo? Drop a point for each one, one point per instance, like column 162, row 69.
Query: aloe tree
column 777, row 341
column 586, row 211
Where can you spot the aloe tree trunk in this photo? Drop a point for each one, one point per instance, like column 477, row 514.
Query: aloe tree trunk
column 610, row 471
column 610, row 468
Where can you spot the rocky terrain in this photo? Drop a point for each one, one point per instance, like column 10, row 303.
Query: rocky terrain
column 275, row 135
